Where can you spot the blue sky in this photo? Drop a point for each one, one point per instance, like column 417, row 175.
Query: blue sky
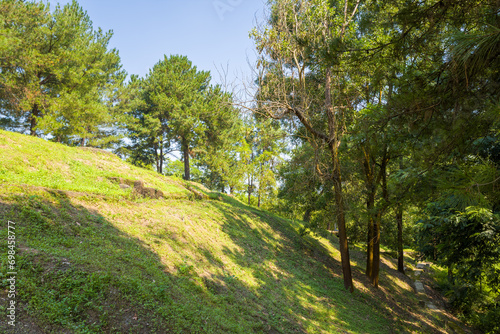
column 211, row 33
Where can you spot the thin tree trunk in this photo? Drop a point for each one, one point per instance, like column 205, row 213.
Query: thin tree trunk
column 376, row 250
column 161, row 158
column 250, row 179
column 249, row 193
column 337, row 184
column 399, row 220
column 35, row 112
column 370, row 234
column 343, row 243
column 250, row 189
column 371, row 189
column 378, row 221
column 185, row 151
column 157, row 160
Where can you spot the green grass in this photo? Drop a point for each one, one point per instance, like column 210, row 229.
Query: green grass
column 92, row 258
column 33, row 162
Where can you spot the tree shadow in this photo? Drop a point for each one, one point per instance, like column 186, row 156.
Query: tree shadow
column 78, row 271
column 296, row 271
column 70, row 266
column 289, row 267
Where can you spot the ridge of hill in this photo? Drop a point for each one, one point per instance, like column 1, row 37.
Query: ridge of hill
column 106, row 247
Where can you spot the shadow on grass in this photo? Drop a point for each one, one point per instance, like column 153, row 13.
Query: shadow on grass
column 78, row 273
column 302, row 281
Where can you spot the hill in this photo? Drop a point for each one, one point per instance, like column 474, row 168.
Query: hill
column 106, row 247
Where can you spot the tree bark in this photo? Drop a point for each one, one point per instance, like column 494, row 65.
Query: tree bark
column 378, row 221
column 249, row 193
column 161, row 158
column 376, row 250
column 399, row 220
column 334, row 142
column 343, row 243
column 35, row 112
column 371, row 189
column 370, row 234
column 185, row 151
column 157, row 160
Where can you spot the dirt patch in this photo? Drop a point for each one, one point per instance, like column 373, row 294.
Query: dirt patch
column 139, row 189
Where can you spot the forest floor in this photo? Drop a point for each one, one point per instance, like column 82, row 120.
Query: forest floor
column 98, row 252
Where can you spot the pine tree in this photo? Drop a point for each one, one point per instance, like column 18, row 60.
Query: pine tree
column 56, row 71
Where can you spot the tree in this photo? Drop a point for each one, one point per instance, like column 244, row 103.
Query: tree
column 175, row 108
column 221, row 143
column 56, row 71
column 303, row 38
column 166, row 111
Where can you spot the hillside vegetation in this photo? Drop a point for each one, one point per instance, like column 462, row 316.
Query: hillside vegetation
column 96, row 256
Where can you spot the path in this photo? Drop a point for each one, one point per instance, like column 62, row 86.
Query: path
column 424, row 299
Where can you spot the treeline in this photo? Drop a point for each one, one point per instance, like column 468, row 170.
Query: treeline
column 60, row 80
column 376, row 118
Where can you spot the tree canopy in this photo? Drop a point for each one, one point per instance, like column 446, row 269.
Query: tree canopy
column 58, row 75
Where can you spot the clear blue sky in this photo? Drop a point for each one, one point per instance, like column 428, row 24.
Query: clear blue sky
column 211, row 33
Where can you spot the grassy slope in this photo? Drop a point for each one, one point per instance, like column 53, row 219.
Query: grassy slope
column 93, row 258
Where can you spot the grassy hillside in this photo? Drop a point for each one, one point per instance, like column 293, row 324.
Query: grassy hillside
column 94, row 256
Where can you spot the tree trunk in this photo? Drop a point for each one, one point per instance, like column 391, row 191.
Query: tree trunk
column 378, row 221
column 157, row 160
column 343, row 243
column 376, row 250
column 250, row 189
column 370, row 234
column 35, row 112
column 249, row 193
column 333, row 129
column 161, row 158
column 260, row 183
column 399, row 220
column 371, row 189
column 185, row 151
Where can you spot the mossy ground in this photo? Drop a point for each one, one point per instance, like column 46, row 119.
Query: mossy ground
column 93, row 258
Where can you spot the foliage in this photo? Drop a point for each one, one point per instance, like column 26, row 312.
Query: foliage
column 175, row 109
column 58, row 77
column 468, row 243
